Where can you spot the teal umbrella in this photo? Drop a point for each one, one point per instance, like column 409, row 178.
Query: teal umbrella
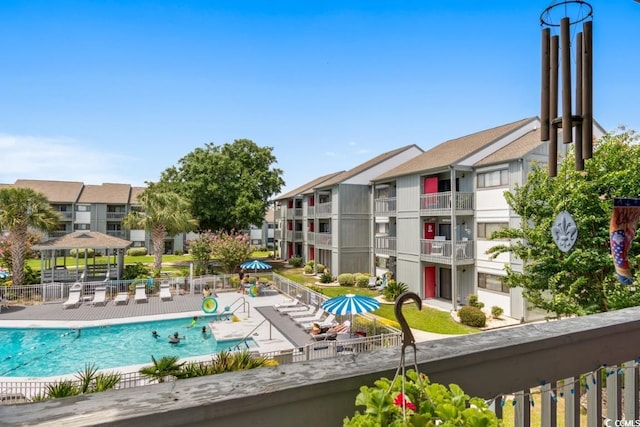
column 255, row 265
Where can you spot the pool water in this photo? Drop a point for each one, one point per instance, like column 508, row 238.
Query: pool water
column 43, row 352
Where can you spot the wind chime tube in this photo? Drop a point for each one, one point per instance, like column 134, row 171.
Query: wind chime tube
column 587, row 91
column 553, row 108
column 578, row 145
column 544, row 94
column 567, row 127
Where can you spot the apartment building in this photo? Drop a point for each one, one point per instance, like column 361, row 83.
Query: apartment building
column 434, row 214
column 329, row 219
column 98, row 208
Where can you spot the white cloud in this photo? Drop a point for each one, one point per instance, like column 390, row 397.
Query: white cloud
column 329, row 153
column 64, row 159
column 353, row 143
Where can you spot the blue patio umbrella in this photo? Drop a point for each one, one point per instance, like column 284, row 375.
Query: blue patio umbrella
column 255, row 265
column 4, row 274
column 350, row 304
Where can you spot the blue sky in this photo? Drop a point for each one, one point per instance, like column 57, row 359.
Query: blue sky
column 117, row 91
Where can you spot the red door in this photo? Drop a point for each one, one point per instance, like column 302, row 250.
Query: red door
column 430, row 186
column 312, row 253
column 290, row 248
column 429, row 233
column 430, row 282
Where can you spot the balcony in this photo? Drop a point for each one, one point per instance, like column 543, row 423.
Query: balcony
column 277, row 234
column 66, row 216
column 115, row 216
column 596, row 351
column 311, row 237
column 440, row 203
column 324, row 240
column 298, row 235
column 56, row 234
column 121, row 234
column 436, row 250
column 311, row 211
column 385, row 206
column 323, row 210
column 385, row 245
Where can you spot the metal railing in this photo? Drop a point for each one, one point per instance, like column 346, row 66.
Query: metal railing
column 440, row 203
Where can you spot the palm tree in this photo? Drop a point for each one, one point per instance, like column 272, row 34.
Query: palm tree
column 166, row 366
column 21, row 209
column 161, row 213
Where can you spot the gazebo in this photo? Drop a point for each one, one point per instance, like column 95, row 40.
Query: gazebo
column 82, row 241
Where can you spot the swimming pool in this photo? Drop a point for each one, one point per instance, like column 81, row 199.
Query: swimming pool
column 43, row 352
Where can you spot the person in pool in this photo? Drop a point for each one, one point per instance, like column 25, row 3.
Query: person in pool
column 193, row 322
column 175, row 338
column 154, row 334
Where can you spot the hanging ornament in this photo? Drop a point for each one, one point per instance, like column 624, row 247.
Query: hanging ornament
column 622, row 230
column 564, row 231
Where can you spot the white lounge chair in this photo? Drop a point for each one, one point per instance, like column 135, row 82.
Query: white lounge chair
column 165, row 292
column 305, row 313
column 100, row 296
column 4, row 304
column 141, row 294
column 74, row 299
column 314, row 318
column 328, row 322
column 121, row 298
column 287, row 303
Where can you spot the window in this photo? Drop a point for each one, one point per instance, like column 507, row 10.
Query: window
column 492, row 282
column 82, row 208
column 497, row 178
column 486, row 228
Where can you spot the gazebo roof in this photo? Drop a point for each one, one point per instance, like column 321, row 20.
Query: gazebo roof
column 84, row 239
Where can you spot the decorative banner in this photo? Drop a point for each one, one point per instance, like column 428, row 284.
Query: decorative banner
column 564, row 231
column 622, row 230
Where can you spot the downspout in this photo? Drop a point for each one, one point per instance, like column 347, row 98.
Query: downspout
column 454, row 262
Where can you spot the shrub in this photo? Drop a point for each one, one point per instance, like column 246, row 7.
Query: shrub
column 472, row 316
column 137, row 251
column 178, row 252
column 308, row 269
column 346, row 279
column 295, row 262
column 394, row 289
column 496, row 312
column 326, row 278
column 135, row 271
column 362, row 280
column 320, row 268
column 80, row 252
column 473, row 301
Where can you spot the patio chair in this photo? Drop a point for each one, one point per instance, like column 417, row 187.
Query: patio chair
column 141, row 293
column 165, row 292
column 287, row 303
column 372, row 282
column 100, row 296
column 3, row 304
column 314, row 318
column 121, row 298
column 328, row 322
column 294, row 309
column 74, row 299
column 310, row 311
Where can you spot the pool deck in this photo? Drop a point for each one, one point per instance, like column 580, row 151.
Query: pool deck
column 272, row 331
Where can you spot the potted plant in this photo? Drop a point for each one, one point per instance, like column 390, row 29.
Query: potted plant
column 421, row 403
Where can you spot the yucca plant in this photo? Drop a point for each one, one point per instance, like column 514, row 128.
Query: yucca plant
column 195, row 369
column 62, row 389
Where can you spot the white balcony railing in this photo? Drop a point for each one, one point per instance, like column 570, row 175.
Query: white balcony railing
column 323, row 239
column 323, row 209
column 311, row 237
column 440, row 203
column 570, row 358
column 442, row 250
column 385, row 245
column 115, row 216
column 311, row 211
column 385, row 206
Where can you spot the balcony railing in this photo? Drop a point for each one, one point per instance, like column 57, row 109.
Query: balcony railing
column 323, row 239
column 298, row 212
column 311, row 237
column 117, row 233
column 66, row 216
column 311, row 211
column 385, row 206
column 298, row 235
column 55, row 234
column 115, row 216
column 440, row 203
column 323, row 209
column 442, row 250
column 569, row 358
column 385, row 245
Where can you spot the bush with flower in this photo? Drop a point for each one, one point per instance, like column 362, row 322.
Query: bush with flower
column 421, row 404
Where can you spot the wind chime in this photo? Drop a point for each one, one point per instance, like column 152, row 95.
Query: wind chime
column 556, row 54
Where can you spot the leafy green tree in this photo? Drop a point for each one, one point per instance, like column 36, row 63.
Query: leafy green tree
column 229, row 186
column 200, row 251
column 582, row 280
column 21, row 209
column 231, row 249
column 162, row 213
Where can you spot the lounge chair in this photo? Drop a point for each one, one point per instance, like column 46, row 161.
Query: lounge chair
column 121, row 298
column 165, row 292
column 314, row 318
column 287, row 303
column 372, row 282
column 293, row 309
column 74, row 299
column 326, row 323
column 100, row 296
column 141, row 293
column 305, row 313
column 4, row 304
